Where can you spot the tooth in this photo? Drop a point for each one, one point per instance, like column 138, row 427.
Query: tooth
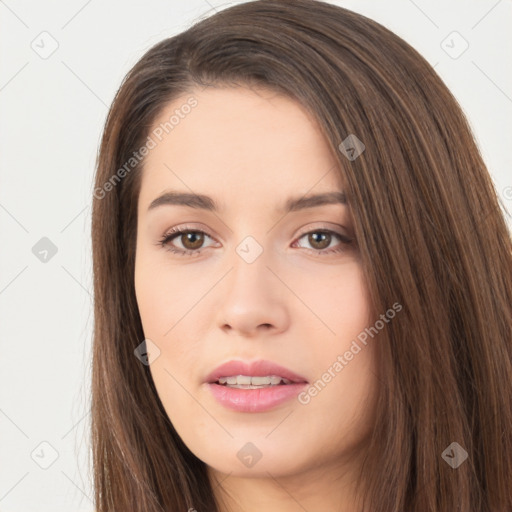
column 248, row 382
column 242, row 379
column 257, row 381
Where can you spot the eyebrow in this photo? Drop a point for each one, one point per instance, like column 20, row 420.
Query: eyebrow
column 203, row 202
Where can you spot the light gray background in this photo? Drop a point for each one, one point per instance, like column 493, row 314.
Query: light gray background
column 53, row 110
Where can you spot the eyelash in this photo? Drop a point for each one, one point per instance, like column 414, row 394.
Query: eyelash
column 175, row 232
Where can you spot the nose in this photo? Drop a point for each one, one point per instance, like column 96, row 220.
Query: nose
column 254, row 299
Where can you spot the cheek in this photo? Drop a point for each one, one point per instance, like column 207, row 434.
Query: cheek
column 167, row 301
column 165, row 295
column 337, row 301
column 344, row 356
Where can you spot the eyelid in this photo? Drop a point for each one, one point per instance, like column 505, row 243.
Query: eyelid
column 188, row 227
column 318, row 225
column 175, row 232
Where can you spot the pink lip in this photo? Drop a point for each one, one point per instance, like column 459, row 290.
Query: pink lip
column 259, row 368
column 254, row 400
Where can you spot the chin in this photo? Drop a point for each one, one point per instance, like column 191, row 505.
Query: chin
column 256, row 459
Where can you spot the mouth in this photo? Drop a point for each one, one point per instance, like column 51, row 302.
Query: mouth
column 252, row 382
column 253, row 387
column 253, row 375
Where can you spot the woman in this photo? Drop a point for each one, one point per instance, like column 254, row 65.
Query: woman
column 302, row 278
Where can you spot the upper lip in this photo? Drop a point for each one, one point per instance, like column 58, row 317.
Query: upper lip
column 261, row 368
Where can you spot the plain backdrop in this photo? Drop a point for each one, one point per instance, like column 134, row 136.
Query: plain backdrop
column 61, row 64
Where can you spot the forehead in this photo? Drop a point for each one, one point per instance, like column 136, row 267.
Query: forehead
column 238, row 140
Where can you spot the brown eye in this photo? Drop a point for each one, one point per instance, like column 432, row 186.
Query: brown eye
column 319, row 239
column 192, row 240
column 185, row 241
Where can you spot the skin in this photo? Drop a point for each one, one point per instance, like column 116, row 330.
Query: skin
column 251, row 150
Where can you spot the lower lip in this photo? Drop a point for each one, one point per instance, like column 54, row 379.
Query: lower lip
column 255, row 400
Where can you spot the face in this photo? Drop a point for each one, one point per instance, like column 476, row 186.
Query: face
column 251, row 280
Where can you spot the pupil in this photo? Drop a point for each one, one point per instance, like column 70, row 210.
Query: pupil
column 190, row 238
column 323, row 244
column 322, row 240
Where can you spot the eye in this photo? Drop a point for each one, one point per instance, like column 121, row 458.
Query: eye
column 192, row 241
column 320, row 240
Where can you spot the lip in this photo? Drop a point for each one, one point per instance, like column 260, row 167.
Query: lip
column 260, row 368
column 254, row 400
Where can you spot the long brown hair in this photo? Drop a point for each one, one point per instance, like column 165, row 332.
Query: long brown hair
column 429, row 227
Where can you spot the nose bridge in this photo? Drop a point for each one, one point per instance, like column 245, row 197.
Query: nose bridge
column 250, row 263
column 252, row 297
column 250, row 250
